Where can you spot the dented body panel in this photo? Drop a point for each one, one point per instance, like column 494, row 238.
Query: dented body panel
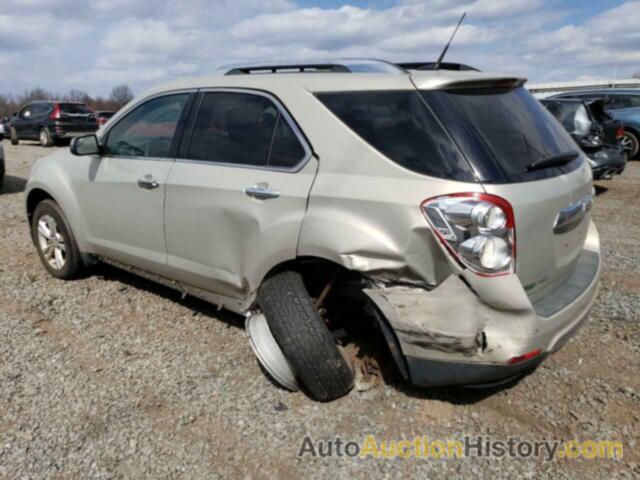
column 453, row 325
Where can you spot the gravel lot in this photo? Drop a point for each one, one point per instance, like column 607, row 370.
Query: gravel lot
column 114, row 377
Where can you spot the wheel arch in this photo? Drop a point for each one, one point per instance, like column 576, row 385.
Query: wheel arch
column 320, row 270
column 39, row 193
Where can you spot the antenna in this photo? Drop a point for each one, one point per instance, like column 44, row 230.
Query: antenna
column 444, row 52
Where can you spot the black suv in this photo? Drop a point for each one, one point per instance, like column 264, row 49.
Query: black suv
column 51, row 122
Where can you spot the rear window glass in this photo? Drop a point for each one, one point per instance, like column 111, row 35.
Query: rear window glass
column 74, row 108
column 400, row 126
column 512, row 125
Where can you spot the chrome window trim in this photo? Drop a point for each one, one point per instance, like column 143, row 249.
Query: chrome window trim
column 283, row 112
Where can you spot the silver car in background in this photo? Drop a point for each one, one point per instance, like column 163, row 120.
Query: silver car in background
column 446, row 210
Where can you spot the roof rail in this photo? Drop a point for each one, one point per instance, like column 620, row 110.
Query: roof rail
column 308, row 67
column 432, row 65
column 341, row 65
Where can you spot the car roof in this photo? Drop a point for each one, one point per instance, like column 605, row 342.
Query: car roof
column 562, row 100
column 603, row 91
column 344, row 81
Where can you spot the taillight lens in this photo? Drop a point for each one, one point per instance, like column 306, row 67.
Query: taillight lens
column 620, row 132
column 55, row 114
column 478, row 228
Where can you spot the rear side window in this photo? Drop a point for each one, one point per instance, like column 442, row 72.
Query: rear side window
column 244, row 129
column 400, row 126
column 148, row 130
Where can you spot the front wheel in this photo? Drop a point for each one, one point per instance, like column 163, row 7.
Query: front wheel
column 304, row 338
column 56, row 246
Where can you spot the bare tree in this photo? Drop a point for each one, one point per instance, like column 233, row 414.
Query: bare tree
column 121, row 95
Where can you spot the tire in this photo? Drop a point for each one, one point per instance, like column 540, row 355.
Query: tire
column 632, row 143
column 304, row 338
column 14, row 136
column 71, row 265
column 45, row 137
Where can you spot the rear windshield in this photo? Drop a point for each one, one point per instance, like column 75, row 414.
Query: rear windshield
column 400, row 126
column 74, row 108
column 511, row 130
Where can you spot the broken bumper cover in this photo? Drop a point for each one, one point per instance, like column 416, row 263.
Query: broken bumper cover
column 450, row 336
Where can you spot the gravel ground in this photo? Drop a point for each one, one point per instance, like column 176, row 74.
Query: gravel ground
column 114, row 377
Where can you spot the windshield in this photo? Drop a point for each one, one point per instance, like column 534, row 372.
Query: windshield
column 509, row 130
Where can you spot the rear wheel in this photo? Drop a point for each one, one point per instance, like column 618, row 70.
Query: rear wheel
column 304, row 338
column 14, row 136
column 56, row 246
column 45, row 137
column 631, row 144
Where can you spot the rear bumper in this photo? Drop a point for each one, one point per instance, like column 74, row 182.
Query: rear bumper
column 449, row 336
column 607, row 161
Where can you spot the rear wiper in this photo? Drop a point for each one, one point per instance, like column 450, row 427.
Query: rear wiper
column 553, row 161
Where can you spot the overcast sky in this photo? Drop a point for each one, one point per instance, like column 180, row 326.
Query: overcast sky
column 92, row 45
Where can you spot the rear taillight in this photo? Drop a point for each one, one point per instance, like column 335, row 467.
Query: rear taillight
column 620, row 132
column 477, row 228
column 55, row 114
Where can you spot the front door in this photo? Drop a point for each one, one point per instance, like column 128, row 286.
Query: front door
column 122, row 194
column 236, row 198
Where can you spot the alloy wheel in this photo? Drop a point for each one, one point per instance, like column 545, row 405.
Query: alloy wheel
column 51, row 242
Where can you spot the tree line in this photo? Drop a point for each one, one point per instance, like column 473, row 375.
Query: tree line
column 119, row 96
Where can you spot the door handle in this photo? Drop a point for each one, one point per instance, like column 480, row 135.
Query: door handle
column 148, row 183
column 261, row 192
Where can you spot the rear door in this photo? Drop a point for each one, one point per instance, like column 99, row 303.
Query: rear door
column 121, row 193
column 237, row 194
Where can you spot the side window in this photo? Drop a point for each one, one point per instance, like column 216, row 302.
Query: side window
column 148, row 130
column 40, row 109
column 286, row 150
column 26, row 112
column 244, row 129
column 620, row 101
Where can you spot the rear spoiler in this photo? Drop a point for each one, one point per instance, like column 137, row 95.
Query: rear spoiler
column 463, row 80
column 432, row 66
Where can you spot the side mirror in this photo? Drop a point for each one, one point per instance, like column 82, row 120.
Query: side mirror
column 85, row 145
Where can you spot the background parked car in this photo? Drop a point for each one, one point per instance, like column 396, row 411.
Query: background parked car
column 103, row 115
column 4, row 126
column 51, row 121
column 594, row 130
column 624, row 105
